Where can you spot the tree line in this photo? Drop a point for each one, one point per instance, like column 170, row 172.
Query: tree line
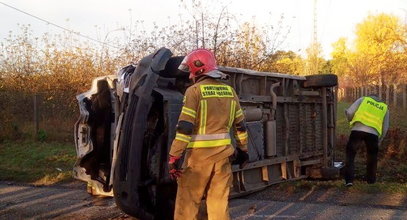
column 59, row 66
column 376, row 57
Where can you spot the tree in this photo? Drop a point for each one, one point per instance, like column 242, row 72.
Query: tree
column 234, row 43
column 314, row 63
column 379, row 53
column 380, row 38
column 285, row 62
column 349, row 64
column 340, row 56
column 248, row 49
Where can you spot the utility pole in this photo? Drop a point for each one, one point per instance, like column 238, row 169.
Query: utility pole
column 203, row 30
column 196, row 34
column 315, row 34
column 314, row 46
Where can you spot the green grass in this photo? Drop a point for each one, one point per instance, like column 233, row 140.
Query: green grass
column 342, row 124
column 36, row 162
column 392, row 166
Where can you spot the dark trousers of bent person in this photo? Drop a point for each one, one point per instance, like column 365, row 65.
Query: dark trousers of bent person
column 372, row 148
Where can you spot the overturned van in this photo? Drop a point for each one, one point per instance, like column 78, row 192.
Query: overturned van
column 127, row 123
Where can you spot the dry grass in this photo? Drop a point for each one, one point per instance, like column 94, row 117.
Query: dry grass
column 50, row 179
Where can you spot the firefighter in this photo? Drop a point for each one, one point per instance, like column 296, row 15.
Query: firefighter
column 210, row 110
column 369, row 119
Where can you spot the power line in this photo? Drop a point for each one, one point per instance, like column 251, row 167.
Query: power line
column 58, row 26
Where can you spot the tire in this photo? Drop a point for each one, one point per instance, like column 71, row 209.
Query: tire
column 323, row 80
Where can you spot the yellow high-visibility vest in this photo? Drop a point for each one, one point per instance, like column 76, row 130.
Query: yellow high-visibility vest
column 370, row 113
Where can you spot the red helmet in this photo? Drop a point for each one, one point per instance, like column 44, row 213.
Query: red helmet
column 198, row 62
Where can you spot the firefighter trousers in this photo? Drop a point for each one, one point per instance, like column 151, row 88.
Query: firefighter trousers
column 215, row 180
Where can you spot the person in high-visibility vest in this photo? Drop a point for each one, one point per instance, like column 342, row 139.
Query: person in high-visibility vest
column 210, row 114
column 369, row 119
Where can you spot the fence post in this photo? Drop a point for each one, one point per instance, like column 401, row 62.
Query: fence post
column 357, row 92
column 347, row 93
column 354, row 94
column 404, row 89
column 395, row 94
column 36, row 116
column 387, row 94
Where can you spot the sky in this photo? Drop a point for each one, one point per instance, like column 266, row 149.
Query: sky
column 103, row 19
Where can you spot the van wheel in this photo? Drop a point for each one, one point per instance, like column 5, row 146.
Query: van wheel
column 322, row 80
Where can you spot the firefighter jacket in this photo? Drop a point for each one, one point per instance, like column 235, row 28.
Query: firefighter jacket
column 214, row 110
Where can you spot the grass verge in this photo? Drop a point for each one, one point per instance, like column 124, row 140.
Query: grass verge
column 392, row 166
column 38, row 163
column 342, row 125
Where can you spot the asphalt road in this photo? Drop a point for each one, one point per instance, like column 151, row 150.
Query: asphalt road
column 263, row 209
column 56, row 202
column 73, row 202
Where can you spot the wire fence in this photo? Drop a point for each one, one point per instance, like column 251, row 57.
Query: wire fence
column 394, row 95
column 37, row 116
column 52, row 116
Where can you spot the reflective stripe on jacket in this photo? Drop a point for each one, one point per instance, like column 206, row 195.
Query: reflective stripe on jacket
column 214, row 109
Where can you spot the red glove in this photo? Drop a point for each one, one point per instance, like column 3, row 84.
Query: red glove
column 173, row 169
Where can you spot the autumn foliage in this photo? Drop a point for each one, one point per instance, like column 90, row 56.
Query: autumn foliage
column 58, row 67
column 377, row 56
